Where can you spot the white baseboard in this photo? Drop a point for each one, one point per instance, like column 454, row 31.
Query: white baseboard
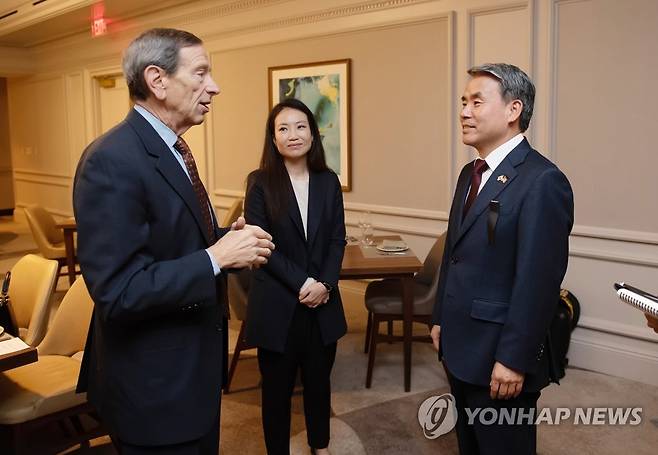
column 614, row 355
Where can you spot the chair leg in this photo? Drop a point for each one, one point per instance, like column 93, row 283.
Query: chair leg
column 60, row 265
column 239, row 345
column 77, row 424
column 366, row 343
column 374, row 332
column 390, row 331
column 65, row 430
column 18, row 439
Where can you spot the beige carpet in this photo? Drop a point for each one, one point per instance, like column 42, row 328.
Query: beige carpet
column 383, row 420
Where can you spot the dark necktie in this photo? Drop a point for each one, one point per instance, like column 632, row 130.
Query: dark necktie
column 199, row 190
column 479, row 166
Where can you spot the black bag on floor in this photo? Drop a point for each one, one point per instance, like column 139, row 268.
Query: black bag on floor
column 564, row 321
column 6, row 317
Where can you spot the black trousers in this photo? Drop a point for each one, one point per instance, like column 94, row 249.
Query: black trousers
column 208, row 444
column 480, row 438
column 304, row 350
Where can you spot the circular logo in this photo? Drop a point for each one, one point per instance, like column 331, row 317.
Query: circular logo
column 437, row 415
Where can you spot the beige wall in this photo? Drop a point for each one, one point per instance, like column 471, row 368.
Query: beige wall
column 606, row 74
column 6, row 180
column 400, row 125
column 40, row 142
column 593, row 62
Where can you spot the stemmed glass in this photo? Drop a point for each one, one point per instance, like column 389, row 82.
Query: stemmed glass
column 365, row 224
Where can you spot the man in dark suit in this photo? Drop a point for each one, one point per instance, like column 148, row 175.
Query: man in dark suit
column 154, row 259
column 505, row 257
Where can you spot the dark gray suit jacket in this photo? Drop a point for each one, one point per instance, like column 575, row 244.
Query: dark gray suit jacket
column 156, row 347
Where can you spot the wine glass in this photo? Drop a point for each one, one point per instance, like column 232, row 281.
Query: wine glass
column 365, row 224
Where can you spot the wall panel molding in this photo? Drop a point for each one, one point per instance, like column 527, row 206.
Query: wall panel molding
column 615, row 328
column 318, row 16
column 420, row 214
column 438, row 215
column 30, row 172
column 624, row 235
column 42, row 181
column 500, row 9
column 225, row 192
column 554, row 27
column 602, row 255
column 60, row 213
column 416, row 224
column 191, row 16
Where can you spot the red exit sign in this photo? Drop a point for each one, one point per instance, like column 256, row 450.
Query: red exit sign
column 98, row 21
column 98, row 27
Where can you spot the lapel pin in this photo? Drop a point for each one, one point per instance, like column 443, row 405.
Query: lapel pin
column 502, row 179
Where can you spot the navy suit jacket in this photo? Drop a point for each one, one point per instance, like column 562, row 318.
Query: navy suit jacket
column 274, row 291
column 497, row 295
column 156, row 346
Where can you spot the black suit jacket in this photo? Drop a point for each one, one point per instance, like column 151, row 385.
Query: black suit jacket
column 501, row 272
column 156, row 346
column 274, row 291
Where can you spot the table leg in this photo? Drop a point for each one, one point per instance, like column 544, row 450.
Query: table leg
column 407, row 327
column 70, row 254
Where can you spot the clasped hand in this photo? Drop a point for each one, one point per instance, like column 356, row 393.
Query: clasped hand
column 244, row 245
column 313, row 295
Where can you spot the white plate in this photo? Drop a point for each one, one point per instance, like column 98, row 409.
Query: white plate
column 392, row 249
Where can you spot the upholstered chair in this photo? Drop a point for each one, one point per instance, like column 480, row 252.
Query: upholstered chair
column 33, row 280
column 44, row 391
column 383, row 301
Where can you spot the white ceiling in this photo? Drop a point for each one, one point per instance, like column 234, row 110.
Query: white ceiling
column 54, row 19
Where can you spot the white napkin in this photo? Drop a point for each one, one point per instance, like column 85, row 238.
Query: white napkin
column 12, row 345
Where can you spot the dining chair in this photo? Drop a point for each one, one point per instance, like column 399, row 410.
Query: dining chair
column 383, row 301
column 48, row 237
column 233, row 212
column 33, row 280
column 238, row 290
column 38, row 393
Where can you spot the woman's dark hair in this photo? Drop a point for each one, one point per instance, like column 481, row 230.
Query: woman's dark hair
column 272, row 169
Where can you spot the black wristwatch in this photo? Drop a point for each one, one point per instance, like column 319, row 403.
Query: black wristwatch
column 327, row 286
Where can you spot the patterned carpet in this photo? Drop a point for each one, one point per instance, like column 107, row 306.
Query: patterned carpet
column 383, row 420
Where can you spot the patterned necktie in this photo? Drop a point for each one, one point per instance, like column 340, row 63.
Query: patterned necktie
column 199, row 190
column 476, row 178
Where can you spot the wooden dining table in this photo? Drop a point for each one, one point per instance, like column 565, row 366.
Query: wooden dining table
column 358, row 266
column 69, row 227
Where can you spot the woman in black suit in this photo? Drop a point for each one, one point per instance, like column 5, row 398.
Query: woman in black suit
column 295, row 315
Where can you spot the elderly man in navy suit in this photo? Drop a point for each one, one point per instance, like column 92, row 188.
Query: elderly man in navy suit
column 505, row 257
column 155, row 259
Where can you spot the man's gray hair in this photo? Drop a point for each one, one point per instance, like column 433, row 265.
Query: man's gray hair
column 514, row 85
column 159, row 47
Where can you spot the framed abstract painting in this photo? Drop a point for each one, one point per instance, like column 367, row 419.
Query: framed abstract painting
column 325, row 88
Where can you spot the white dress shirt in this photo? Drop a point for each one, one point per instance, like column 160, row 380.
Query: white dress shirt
column 170, row 138
column 497, row 156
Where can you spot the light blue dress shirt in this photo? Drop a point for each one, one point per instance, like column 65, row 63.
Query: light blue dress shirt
column 170, row 138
